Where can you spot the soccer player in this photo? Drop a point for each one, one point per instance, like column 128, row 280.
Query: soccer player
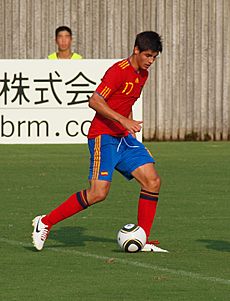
column 63, row 39
column 112, row 143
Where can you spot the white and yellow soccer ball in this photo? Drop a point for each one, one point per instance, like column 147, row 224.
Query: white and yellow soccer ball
column 131, row 238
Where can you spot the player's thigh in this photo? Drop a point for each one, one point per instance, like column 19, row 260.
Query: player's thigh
column 148, row 177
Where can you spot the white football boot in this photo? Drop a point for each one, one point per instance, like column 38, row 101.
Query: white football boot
column 149, row 247
column 40, row 232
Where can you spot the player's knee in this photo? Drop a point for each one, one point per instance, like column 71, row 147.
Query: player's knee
column 97, row 196
column 100, row 196
column 152, row 184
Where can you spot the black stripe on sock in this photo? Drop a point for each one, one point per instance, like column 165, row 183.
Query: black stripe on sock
column 148, row 197
column 80, row 200
column 152, row 193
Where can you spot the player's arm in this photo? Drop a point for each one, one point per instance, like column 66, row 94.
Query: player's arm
column 97, row 103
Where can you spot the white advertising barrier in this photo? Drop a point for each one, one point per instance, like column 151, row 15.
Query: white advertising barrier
column 44, row 101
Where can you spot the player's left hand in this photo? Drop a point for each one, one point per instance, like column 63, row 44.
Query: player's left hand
column 131, row 125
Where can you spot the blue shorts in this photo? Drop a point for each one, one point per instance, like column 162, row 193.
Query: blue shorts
column 108, row 153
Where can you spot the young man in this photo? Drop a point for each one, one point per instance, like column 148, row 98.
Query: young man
column 112, row 143
column 63, row 38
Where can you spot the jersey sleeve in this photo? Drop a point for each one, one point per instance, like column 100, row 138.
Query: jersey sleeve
column 110, row 82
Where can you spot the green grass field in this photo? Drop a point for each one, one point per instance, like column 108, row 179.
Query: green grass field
column 81, row 259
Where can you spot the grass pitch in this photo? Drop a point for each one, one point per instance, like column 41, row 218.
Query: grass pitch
column 81, row 259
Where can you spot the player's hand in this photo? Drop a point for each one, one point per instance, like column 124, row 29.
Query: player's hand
column 131, row 125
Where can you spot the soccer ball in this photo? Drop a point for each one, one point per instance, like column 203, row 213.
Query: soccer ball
column 131, row 238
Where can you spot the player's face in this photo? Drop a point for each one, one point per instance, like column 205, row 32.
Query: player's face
column 145, row 58
column 63, row 40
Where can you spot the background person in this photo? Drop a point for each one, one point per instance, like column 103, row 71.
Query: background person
column 63, row 39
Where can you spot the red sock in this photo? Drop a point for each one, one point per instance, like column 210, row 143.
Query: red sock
column 147, row 209
column 75, row 203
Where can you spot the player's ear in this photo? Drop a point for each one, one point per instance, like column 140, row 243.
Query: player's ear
column 136, row 50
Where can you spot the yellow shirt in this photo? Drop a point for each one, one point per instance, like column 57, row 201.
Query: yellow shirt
column 75, row 56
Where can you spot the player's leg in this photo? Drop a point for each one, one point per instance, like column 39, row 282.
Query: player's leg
column 149, row 181
column 100, row 177
column 137, row 162
column 75, row 203
column 78, row 201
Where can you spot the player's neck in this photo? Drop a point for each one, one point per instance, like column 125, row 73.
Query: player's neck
column 64, row 54
column 134, row 63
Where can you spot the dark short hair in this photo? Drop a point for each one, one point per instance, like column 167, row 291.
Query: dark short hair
column 148, row 40
column 63, row 28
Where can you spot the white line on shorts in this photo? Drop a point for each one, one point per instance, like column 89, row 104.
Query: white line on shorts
column 180, row 273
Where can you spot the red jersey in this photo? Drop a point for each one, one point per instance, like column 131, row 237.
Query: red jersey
column 120, row 87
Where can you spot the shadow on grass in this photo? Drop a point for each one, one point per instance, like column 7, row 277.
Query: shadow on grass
column 218, row 245
column 75, row 236
column 72, row 237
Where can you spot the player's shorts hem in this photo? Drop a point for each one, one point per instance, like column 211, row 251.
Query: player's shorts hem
column 129, row 175
column 100, row 179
